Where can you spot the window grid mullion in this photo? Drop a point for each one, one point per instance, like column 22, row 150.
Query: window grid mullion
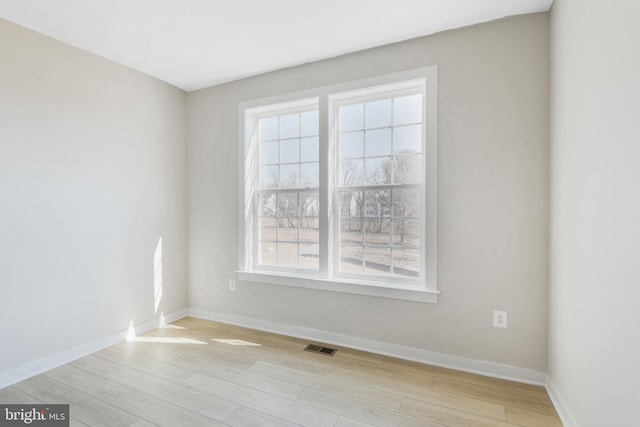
column 325, row 160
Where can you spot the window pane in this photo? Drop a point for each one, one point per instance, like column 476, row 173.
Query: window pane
column 309, row 230
column 377, row 203
column 267, row 204
column 351, row 172
column 383, row 199
column 351, row 117
column 351, row 145
column 351, row 258
column 407, row 169
column 378, row 170
column 269, row 153
column 309, row 123
column 268, row 177
column 407, row 139
column 406, row 233
column 309, row 151
column 406, row 203
column 310, row 174
column 378, row 142
column 378, row 114
column 407, row 109
column 377, row 260
column 309, row 205
column 288, row 205
column 289, row 151
column 288, row 255
column 377, row 231
column 351, row 203
column 406, row 262
column 351, row 231
column 290, row 126
column 268, row 253
column 268, row 129
column 289, row 176
column 288, row 229
column 309, row 256
column 268, row 229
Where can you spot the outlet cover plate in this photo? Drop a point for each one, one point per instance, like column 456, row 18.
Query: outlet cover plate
column 499, row 319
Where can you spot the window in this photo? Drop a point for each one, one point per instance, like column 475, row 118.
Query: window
column 339, row 187
column 287, row 151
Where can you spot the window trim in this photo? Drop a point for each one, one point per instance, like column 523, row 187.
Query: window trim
column 427, row 291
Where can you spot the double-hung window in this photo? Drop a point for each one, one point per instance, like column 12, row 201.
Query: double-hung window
column 338, row 187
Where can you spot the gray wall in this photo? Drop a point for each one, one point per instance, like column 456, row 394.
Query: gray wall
column 92, row 174
column 595, row 211
column 493, row 198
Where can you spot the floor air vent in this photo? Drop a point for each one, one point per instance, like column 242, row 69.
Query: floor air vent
column 320, row 349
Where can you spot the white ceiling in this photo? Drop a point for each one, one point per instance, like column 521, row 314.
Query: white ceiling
column 198, row 43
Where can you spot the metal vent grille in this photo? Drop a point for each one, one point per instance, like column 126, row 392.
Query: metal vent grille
column 320, row 349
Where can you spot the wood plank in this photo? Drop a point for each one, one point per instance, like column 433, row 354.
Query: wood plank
column 135, row 360
column 423, row 379
column 427, row 394
column 14, row 396
column 193, row 400
column 447, row 416
column 245, row 417
column 502, row 397
column 177, row 351
column 87, row 409
column 227, row 373
column 261, row 401
column 360, row 411
column 221, row 329
column 329, row 385
column 348, row 422
column 232, row 355
column 445, row 373
column 297, row 344
column 531, row 419
column 140, row 404
column 350, row 353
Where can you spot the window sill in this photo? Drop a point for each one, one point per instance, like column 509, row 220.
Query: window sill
column 340, row 285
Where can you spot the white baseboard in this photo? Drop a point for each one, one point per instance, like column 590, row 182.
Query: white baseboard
column 31, row 369
column 565, row 414
column 481, row 367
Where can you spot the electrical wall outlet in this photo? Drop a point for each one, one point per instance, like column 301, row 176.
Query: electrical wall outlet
column 232, row 284
column 499, row 319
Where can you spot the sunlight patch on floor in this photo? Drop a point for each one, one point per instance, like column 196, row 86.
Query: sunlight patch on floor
column 167, row 340
column 235, row 342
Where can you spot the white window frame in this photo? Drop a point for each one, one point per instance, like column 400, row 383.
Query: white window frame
column 389, row 287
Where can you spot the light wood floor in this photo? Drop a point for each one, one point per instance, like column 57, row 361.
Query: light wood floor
column 196, row 372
